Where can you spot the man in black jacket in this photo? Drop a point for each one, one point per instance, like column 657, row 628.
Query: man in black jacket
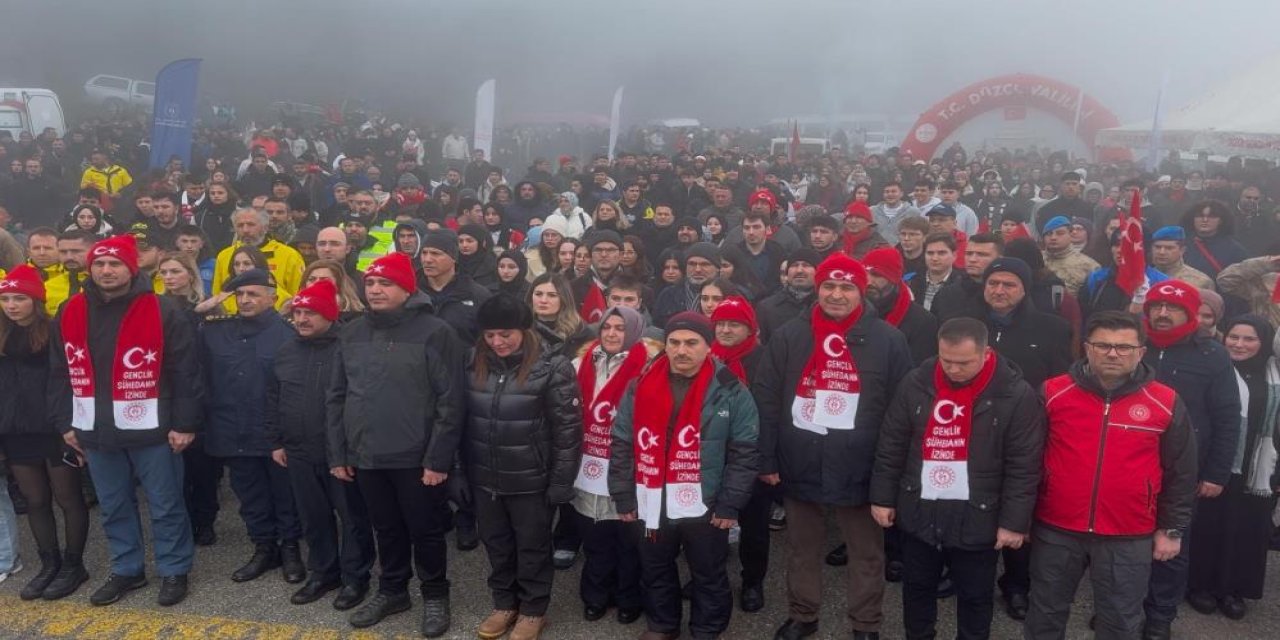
column 954, row 299
column 701, row 265
column 395, row 412
column 131, row 428
column 823, row 387
column 946, row 515
column 295, row 431
column 455, row 297
column 892, row 300
column 1200, row 370
column 796, row 296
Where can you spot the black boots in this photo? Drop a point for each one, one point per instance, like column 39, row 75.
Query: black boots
column 291, row 561
column 435, row 617
column 69, row 578
column 266, row 556
column 50, row 564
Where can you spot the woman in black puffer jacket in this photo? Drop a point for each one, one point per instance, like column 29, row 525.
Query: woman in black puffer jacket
column 521, row 445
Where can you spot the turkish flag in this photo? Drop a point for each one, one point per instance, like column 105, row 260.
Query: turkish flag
column 1131, row 264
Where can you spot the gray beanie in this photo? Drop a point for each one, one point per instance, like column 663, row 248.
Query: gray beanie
column 704, row 250
column 443, row 239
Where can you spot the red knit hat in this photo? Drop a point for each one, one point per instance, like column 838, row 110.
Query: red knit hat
column 763, row 195
column 736, row 309
column 886, row 262
column 321, row 297
column 1175, row 292
column 839, row 266
column 24, row 279
column 395, row 267
column 859, row 209
column 122, row 247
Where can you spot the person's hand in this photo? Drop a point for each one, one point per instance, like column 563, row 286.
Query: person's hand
column 72, row 441
column 459, row 489
column 1006, row 539
column 630, row 516
column 280, row 457
column 883, row 515
column 723, row 523
column 433, row 478
column 771, row 479
column 1208, row 490
column 212, row 303
column 179, row 441
column 345, row 474
column 1165, row 548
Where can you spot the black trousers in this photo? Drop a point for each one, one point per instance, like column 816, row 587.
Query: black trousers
column 516, row 532
column 610, row 563
column 408, row 525
column 1017, row 570
column 568, row 535
column 266, row 499
column 706, row 548
column 200, row 485
column 328, row 506
column 972, row 572
column 753, row 545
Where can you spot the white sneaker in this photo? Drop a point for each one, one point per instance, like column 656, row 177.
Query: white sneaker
column 17, row 566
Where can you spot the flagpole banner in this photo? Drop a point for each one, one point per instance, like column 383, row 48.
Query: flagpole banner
column 484, row 118
column 174, row 113
column 1157, row 125
column 615, row 121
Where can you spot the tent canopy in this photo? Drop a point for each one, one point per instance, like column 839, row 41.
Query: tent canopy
column 1239, row 117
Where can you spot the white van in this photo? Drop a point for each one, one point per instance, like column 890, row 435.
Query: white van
column 31, row 110
column 808, row 146
column 117, row 93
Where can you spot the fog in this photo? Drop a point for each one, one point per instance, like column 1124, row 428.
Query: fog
column 739, row 62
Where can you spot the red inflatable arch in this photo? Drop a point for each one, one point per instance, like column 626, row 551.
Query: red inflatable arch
column 941, row 120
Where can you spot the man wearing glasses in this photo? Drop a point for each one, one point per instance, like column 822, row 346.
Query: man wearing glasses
column 588, row 290
column 1119, row 483
column 1200, row 371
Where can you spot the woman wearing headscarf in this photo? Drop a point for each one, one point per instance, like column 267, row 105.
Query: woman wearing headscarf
column 576, row 220
column 513, row 271
column 89, row 218
column 503, row 237
column 1230, row 534
column 1210, row 314
column 475, row 256
column 611, row 561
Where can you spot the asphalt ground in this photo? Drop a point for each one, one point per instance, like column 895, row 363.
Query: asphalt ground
column 219, row 609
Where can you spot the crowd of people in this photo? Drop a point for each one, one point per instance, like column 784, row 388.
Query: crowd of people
column 634, row 360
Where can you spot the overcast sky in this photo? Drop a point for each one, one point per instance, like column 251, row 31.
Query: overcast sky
column 742, row 61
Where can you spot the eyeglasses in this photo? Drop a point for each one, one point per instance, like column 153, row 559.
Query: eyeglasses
column 605, row 250
column 1122, row 350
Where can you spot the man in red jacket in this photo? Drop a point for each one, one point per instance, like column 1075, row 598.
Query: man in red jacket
column 1119, row 483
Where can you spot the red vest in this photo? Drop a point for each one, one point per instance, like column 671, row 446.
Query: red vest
column 1102, row 469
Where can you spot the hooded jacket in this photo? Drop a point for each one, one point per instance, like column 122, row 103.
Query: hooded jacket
column 523, row 437
column 419, row 228
column 519, row 212
column 1006, row 443
column 397, row 397
column 834, row 469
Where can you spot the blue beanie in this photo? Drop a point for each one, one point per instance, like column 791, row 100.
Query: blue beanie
column 1170, row 233
column 1056, row 222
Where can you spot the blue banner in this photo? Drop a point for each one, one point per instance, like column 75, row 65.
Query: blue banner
column 174, row 112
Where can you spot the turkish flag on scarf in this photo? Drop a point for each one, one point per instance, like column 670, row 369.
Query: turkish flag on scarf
column 1131, row 266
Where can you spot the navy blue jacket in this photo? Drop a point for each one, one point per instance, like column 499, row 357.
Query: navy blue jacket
column 238, row 355
column 1201, row 372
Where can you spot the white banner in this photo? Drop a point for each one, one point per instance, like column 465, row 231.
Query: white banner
column 615, row 121
column 484, row 118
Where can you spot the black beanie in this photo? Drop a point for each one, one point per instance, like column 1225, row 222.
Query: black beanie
column 1010, row 265
column 695, row 322
column 504, row 311
column 442, row 239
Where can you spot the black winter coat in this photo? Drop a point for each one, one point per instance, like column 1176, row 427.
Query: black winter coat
column 1039, row 343
column 396, row 400
column 833, row 469
column 919, row 327
column 523, row 437
column 181, row 386
column 1200, row 370
column 296, row 389
column 779, row 308
column 1006, row 443
column 457, row 304
column 237, row 355
column 24, row 379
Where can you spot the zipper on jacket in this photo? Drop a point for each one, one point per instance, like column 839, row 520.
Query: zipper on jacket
column 1097, row 474
column 493, row 422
